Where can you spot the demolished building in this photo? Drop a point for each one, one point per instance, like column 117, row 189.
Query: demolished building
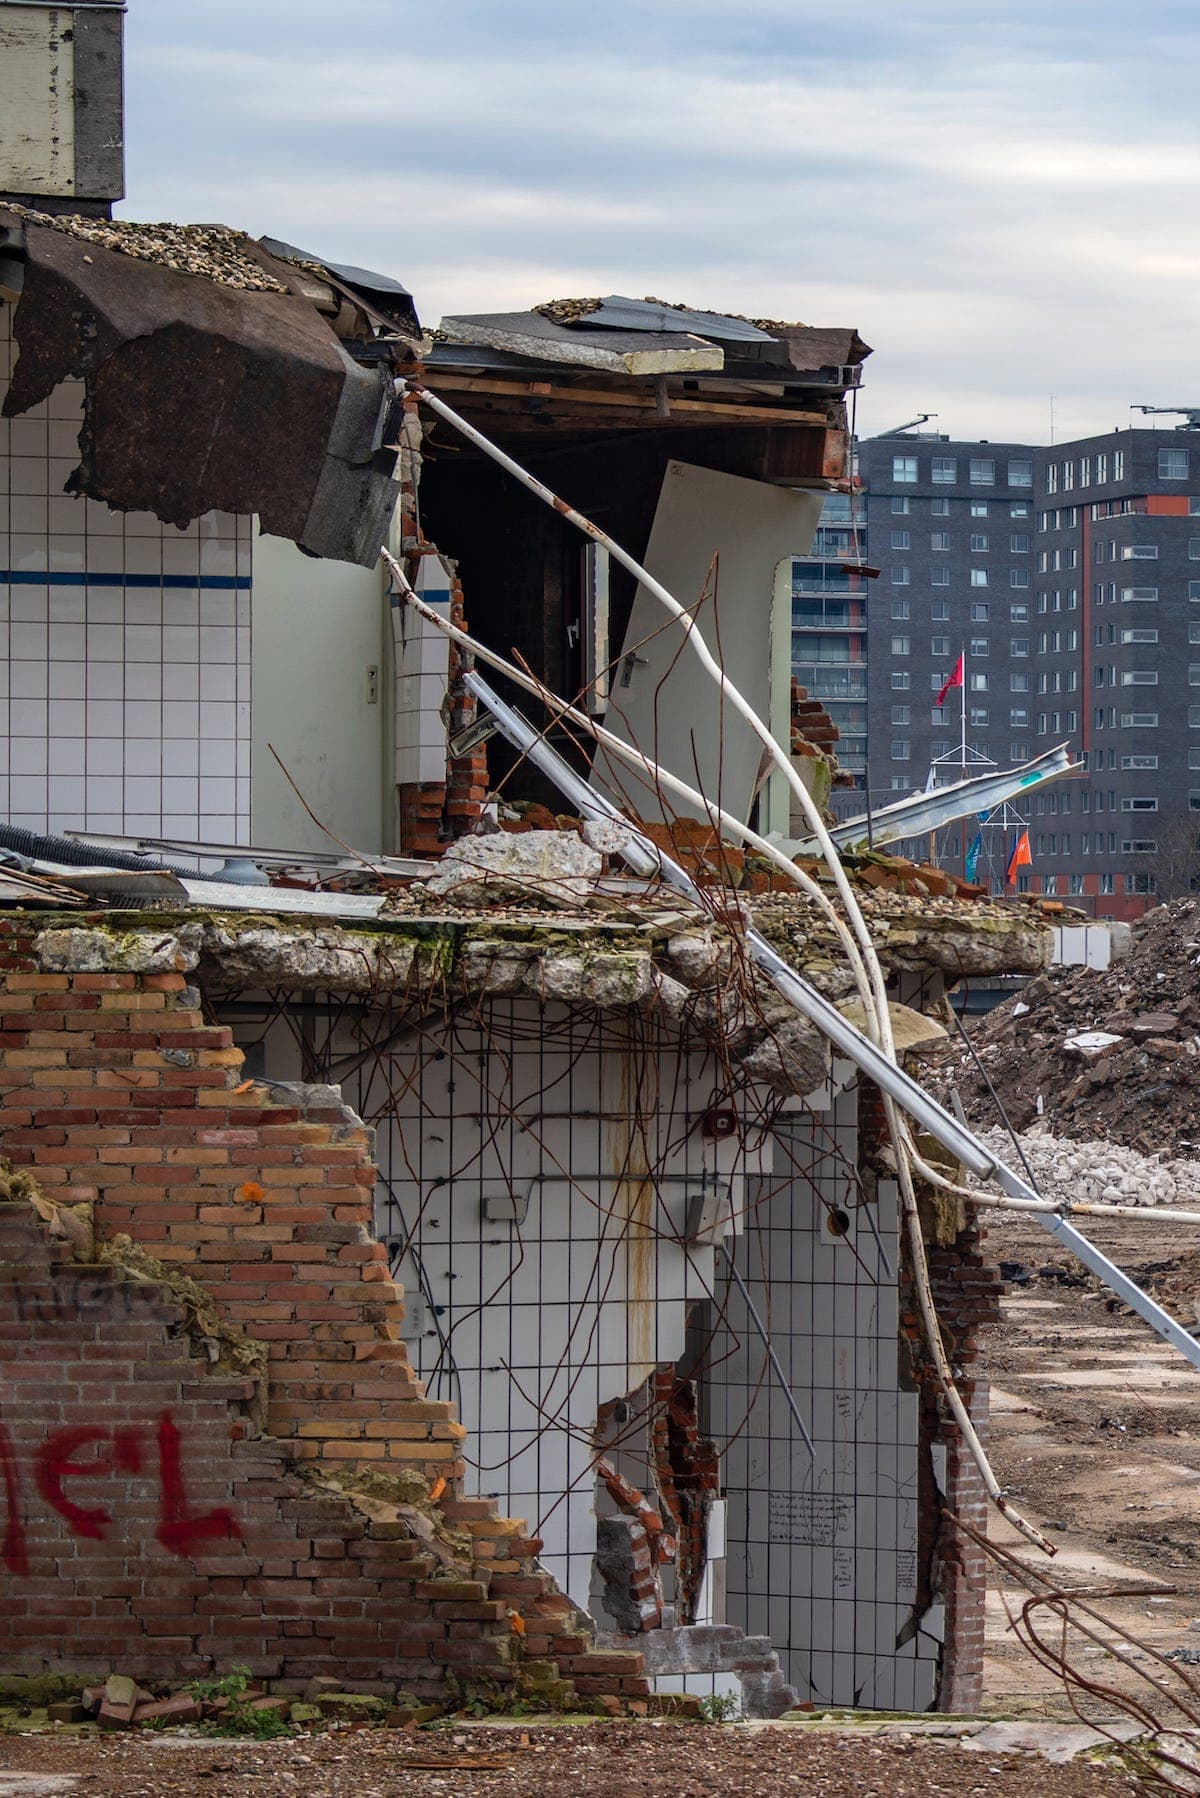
column 450, row 1266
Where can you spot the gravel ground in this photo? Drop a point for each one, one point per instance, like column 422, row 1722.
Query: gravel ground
column 607, row 1760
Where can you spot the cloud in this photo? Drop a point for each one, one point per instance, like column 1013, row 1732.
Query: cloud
column 1000, row 199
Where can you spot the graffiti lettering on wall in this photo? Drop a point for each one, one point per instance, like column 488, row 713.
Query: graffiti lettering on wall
column 59, row 1459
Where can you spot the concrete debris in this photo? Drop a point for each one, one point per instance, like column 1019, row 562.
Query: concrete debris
column 1085, row 1053
column 1099, row 1172
column 552, row 868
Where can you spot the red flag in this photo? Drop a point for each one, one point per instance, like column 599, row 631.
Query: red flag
column 953, row 680
column 1020, row 858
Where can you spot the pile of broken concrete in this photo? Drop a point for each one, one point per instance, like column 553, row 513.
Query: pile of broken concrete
column 1100, row 1072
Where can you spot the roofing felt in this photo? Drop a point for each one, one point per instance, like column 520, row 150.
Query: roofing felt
column 620, row 352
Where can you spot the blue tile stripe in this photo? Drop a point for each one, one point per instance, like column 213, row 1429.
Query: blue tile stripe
column 41, row 577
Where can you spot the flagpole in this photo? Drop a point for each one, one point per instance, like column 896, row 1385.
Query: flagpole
column 962, row 709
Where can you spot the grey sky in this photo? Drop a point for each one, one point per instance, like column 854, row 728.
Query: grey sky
column 1000, row 194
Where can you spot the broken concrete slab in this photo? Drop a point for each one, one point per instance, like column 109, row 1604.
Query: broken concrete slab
column 552, row 868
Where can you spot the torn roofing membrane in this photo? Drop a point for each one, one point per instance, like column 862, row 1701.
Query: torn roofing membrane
column 202, row 395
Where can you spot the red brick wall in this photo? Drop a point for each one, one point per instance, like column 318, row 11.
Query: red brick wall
column 114, row 1092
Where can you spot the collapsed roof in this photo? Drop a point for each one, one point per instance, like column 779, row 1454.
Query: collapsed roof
column 601, row 365
column 217, row 376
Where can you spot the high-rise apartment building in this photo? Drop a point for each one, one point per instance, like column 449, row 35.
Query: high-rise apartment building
column 1068, row 578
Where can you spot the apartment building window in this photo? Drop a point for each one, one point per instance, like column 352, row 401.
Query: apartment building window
column 900, row 680
column 982, row 471
column 900, row 575
column 901, row 646
column 939, row 611
column 1194, row 799
column 1149, row 720
column 901, row 540
column 901, row 505
column 1172, row 465
column 901, row 783
column 1194, row 590
column 1018, row 683
column 1139, row 846
column 979, row 717
column 945, row 471
column 1102, row 468
column 1148, row 552
column 939, row 577
column 939, row 646
column 1052, row 477
column 1194, row 549
column 939, row 539
column 1140, row 677
column 1018, row 577
column 1132, row 804
column 1018, row 544
column 1194, row 674
column 901, row 714
column 1018, row 717
column 904, row 468
column 1018, row 752
column 1144, row 761
column 1018, row 614
column 936, row 682
column 1068, row 476
column 1194, row 505
column 1018, row 646
column 939, row 508
column 937, row 714
column 979, row 577
column 978, row 683
column 979, row 646
column 1136, row 636
column 1085, row 471
column 901, row 749
column 1107, row 885
column 979, row 508
column 980, row 611
column 979, row 543
column 1139, row 594
column 1020, row 472
column 901, row 608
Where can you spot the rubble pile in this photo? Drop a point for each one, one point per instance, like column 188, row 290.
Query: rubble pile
column 1091, row 1057
column 1098, row 1172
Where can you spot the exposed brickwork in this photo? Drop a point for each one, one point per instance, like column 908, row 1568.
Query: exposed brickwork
column 113, row 1091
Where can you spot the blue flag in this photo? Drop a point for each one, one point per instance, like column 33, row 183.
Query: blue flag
column 973, row 853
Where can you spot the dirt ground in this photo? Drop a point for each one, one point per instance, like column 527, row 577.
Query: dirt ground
column 606, row 1760
column 1096, row 1436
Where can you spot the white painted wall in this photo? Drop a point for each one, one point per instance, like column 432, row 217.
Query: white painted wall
column 664, row 701
column 320, row 628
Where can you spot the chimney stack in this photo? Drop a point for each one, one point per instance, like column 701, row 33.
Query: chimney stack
column 62, row 139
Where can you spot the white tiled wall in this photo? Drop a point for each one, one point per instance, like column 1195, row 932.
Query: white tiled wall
column 540, row 1323
column 124, row 649
column 822, row 1549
